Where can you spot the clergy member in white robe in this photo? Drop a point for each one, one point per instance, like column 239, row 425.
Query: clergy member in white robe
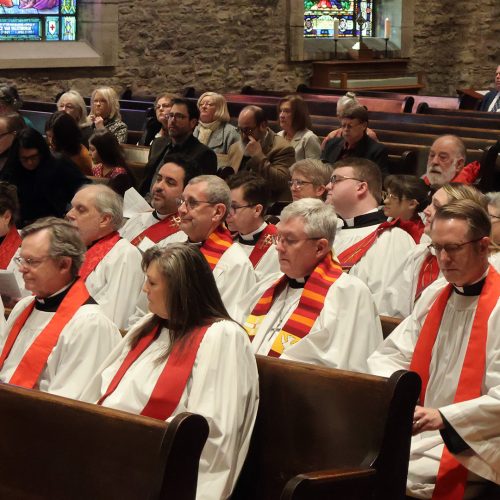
column 222, row 384
column 112, row 267
column 468, row 426
column 345, row 327
column 62, row 360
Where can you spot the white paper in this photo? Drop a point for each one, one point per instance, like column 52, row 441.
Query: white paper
column 134, row 203
column 8, row 284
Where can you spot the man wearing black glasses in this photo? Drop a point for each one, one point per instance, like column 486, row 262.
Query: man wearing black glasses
column 452, row 340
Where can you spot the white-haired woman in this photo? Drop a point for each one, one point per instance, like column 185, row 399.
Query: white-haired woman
column 72, row 103
column 105, row 113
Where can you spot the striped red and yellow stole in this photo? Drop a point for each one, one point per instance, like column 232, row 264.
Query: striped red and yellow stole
column 452, row 476
column 429, row 271
column 352, row 255
column 9, row 247
column 307, row 311
column 215, row 245
column 266, row 239
column 160, row 230
column 97, row 252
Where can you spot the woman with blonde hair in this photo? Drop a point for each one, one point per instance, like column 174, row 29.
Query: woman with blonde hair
column 214, row 129
column 105, row 113
column 187, row 354
column 296, row 123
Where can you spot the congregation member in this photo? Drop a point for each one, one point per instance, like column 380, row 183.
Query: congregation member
column 314, row 312
column 55, row 340
column 11, row 103
column 452, row 340
column 405, row 197
column 494, row 213
column 355, row 142
column 10, row 125
column 45, row 184
column 214, row 129
column 263, row 152
column 157, row 125
column 491, row 101
column 161, row 226
column 182, row 120
column 368, row 246
column 105, row 113
column 446, row 162
column 420, row 266
column 112, row 267
column 64, row 137
column 108, row 161
column 249, row 200
column 187, row 355
column 296, row 127
column 309, row 179
column 203, row 208
column 72, row 103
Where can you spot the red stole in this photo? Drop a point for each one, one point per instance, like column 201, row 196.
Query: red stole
column 309, row 308
column 97, row 252
column 9, row 247
column 266, row 239
column 168, row 389
column 452, row 476
column 414, row 227
column 160, row 230
column 215, row 245
column 352, row 255
column 429, row 271
column 32, row 364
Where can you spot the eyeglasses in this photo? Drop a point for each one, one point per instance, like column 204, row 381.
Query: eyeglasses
column 165, row 105
column 349, row 126
column 451, row 248
column 177, row 116
column 21, row 261
column 6, row 133
column 234, row 208
column 67, row 106
column 336, row 178
column 492, row 217
column 191, row 203
column 287, row 242
column 209, row 104
column 389, row 196
column 246, row 130
column 298, row 183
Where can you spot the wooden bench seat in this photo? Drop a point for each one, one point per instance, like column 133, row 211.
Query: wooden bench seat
column 59, row 449
column 321, row 432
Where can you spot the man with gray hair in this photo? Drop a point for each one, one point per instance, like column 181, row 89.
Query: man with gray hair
column 112, row 268
column 315, row 312
column 56, row 340
column 203, row 208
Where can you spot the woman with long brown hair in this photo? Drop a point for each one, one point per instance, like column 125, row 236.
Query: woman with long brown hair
column 188, row 332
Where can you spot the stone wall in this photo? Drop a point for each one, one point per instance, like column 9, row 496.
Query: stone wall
column 215, row 45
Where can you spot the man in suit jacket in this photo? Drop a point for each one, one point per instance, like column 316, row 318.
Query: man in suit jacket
column 354, row 141
column 263, row 152
column 491, row 101
column 182, row 119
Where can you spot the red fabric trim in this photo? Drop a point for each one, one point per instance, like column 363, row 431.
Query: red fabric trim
column 215, row 245
column 266, row 239
column 160, row 230
column 97, row 252
column 429, row 271
column 9, row 246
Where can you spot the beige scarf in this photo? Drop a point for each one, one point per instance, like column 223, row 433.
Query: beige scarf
column 205, row 130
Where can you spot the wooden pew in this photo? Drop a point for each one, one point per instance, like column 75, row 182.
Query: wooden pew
column 59, row 449
column 388, row 324
column 320, row 432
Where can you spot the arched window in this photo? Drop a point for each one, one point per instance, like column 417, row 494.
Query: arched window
column 38, row 20
column 319, row 16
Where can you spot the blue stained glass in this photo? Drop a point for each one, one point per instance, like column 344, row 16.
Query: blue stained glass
column 20, row 28
column 52, row 28
column 68, row 28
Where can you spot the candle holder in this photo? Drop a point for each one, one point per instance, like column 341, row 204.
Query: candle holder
column 386, row 43
column 335, row 40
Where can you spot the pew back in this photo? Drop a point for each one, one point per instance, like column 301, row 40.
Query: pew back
column 56, row 448
column 311, row 419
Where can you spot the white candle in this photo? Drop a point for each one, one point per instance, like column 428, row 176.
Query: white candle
column 336, row 27
column 387, row 28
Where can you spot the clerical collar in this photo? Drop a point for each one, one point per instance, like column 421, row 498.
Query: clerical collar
column 371, row 218
column 197, row 243
column 51, row 303
column 297, row 282
column 252, row 238
column 471, row 290
column 158, row 216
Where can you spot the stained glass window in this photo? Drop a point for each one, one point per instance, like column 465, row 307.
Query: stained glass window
column 319, row 16
column 38, row 20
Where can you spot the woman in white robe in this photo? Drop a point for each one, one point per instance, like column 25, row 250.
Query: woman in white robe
column 223, row 383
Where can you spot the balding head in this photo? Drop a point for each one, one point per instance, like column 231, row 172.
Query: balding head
column 446, row 159
column 252, row 123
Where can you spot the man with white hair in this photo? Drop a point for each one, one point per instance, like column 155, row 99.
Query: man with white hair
column 112, row 268
column 315, row 312
column 203, row 207
column 56, row 338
